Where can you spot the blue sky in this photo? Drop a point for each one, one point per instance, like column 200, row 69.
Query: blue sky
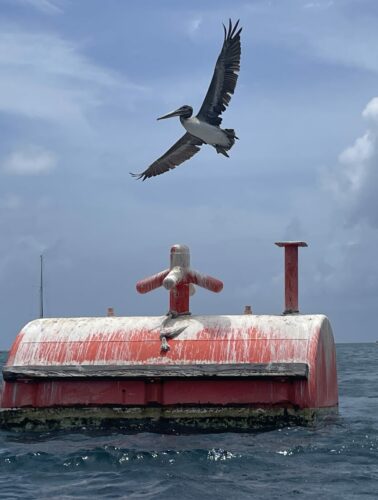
column 81, row 85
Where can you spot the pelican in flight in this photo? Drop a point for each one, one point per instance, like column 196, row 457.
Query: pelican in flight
column 204, row 128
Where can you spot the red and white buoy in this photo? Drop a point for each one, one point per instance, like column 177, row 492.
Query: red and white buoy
column 178, row 370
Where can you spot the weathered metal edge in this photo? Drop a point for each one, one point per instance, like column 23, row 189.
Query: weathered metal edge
column 160, row 419
column 239, row 370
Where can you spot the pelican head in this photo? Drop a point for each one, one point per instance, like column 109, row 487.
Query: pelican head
column 184, row 112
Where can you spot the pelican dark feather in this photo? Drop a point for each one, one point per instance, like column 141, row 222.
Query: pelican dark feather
column 204, row 128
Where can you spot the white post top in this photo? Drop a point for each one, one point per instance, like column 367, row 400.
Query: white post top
column 180, row 256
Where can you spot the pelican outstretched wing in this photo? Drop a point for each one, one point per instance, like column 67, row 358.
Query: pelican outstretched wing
column 225, row 76
column 185, row 148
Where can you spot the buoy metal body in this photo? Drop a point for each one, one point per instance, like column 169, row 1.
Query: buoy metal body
column 217, row 360
column 208, row 372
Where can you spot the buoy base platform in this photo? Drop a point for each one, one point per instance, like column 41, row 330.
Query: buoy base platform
column 161, row 419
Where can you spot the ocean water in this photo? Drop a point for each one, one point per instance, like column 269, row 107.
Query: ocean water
column 337, row 460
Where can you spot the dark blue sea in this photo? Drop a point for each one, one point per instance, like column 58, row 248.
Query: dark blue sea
column 337, row 460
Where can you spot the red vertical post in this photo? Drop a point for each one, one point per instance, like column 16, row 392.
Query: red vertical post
column 291, row 274
column 179, row 299
column 176, row 281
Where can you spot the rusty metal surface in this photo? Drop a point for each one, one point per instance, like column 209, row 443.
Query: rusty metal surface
column 291, row 274
column 193, row 340
column 134, row 340
column 203, row 371
column 160, row 419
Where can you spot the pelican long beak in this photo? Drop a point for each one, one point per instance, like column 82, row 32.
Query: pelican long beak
column 177, row 112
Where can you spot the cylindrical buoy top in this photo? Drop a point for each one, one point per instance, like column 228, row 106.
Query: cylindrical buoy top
column 291, row 244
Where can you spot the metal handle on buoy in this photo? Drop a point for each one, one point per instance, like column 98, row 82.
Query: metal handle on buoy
column 291, row 274
column 179, row 280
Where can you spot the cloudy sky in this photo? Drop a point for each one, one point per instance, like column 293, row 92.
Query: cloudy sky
column 81, row 85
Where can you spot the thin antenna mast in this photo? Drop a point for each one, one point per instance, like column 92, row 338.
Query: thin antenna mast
column 41, row 290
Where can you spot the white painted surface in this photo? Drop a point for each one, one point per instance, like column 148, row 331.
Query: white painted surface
column 244, row 338
column 174, row 277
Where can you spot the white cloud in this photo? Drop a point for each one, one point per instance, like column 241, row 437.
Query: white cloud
column 30, row 161
column 50, row 55
column 347, row 50
column 361, row 151
column 318, row 5
column 194, row 25
column 45, row 6
column 371, row 111
column 355, row 162
column 339, row 33
column 43, row 76
column 354, row 181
